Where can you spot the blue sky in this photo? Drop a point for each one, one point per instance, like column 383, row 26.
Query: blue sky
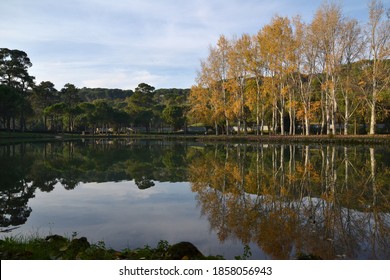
column 121, row 43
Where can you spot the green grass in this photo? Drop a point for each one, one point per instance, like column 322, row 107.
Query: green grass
column 55, row 247
column 10, row 134
column 15, row 137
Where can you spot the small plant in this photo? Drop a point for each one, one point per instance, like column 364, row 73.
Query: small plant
column 56, row 247
column 163, row 245
column 246, row 255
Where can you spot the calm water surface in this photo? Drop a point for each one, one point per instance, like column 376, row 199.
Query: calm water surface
column 281, row 200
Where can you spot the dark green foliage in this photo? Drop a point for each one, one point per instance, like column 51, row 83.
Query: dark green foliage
column 24, row 105
column 43, row 96
column 91, row 94
column 174, row 115
column 141, row 105
column 10, row 105
column 14, row 66
column 172, row 96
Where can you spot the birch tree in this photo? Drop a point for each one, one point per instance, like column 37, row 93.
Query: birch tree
column 278, row 46
column 306, row 54
column 238, row 74
column 255, row 66
column 327, row 26
column 378, row 32
column 353, row 45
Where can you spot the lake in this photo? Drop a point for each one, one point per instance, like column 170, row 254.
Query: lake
column 280, row 200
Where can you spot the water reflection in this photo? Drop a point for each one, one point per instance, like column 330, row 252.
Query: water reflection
column 329, row 201
column 26, row 167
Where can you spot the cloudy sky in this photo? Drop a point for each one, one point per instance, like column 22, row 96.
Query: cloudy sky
column 121, row 43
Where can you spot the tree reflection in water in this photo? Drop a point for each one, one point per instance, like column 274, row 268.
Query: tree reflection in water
column 331, row 202
column 26, row 167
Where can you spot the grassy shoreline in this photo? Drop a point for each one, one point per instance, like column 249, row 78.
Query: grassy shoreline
column 57, row 247
column 15, row 137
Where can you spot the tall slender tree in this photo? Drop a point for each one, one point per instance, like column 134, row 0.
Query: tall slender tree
column 327, row 25
column 278, row 44
column 378, row 34
column 353, row 46
column 238, row 75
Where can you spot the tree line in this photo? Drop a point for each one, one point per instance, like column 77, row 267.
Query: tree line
column 326, row 76
column 292, row 76
column 25, row 105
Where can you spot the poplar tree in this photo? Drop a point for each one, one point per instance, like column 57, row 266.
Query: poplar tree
column 378, row 33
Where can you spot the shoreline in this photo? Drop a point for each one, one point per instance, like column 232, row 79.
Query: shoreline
column 16, row 137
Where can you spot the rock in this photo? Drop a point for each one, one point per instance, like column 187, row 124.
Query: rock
column 56, row 238
column 184, row 250
column 56, row 242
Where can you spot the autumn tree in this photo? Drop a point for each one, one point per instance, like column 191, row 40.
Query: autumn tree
column 278, row 50
column 238, row 75
column 210, row 94
column 221, row 72
column 333, row 35
column 200, row 109
column 255, row 67
column 306, row 54
column 318, row 73
column 353, row 47
column 379, row 51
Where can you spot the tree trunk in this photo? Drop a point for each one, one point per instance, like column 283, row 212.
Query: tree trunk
column 307, row 124
column 346, row 115
column 373, row 112
column 333, row 106
column 227, row 126
column 327, row 113
column 281, row 121
column 257, row 106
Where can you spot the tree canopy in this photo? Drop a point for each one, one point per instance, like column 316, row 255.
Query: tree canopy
column 296, row 77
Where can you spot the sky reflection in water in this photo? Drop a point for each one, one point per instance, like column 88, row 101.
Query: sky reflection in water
column 330, row 201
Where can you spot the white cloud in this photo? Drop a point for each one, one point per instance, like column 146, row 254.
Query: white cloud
column 123, row 79
column 117, row 43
